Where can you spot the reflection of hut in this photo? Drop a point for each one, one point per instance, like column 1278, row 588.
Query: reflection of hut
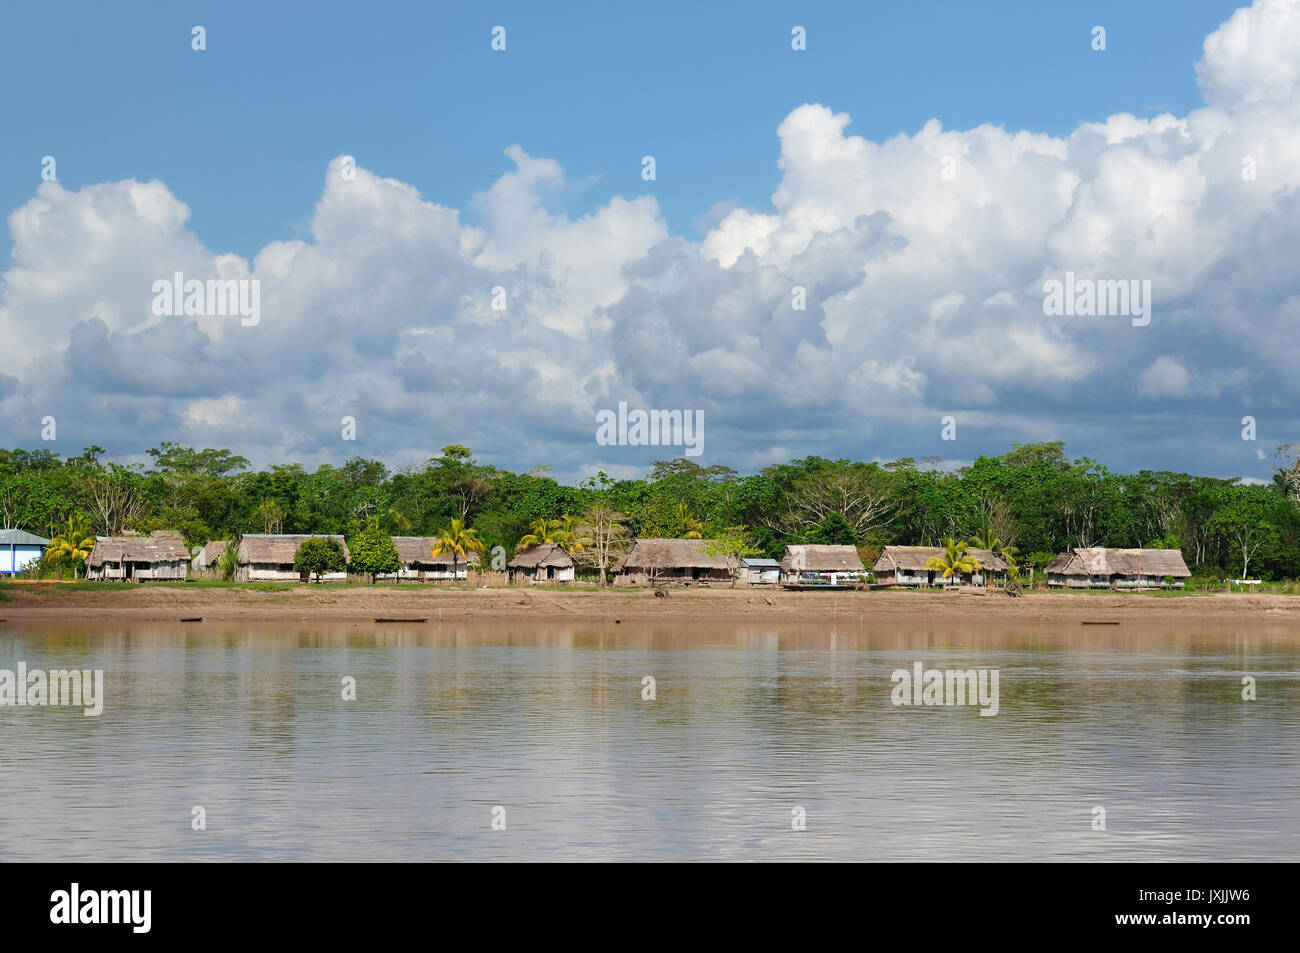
column 269, row 556
column 1097, row 567
column 760, row 572
column 419, row 563
column 544, row 562
column 670, row 560
column 134, row 558
column 906, row 566
column 818, row 565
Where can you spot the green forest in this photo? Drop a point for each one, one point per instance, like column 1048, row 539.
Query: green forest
column 1033, row 497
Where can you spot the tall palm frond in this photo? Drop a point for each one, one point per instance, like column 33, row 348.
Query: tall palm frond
column 74, row 542
column 457, row 539
column 987, row 538
column 691, row 527
column 954, row 561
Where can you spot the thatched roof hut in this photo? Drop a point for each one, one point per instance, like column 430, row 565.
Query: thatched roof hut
column 543, row 562
column 160, row 555
column 669, row 554
column 160, row 546
column 210, row 553
column 541, row 556
column 671, row 559
column 914, row 558
column 416, row 552
column 1100, row 567
column 270, row 556
column 819, row 558
column 277, row 549
column 908, row 566
column 1067, row 564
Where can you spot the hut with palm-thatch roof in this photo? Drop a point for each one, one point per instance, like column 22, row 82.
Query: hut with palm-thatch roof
column 683, row 561
column 269, row 557
column 135, row 558
column 542, row 563
column 1097, row 567
column 420, row 565
column 821, row 565
column 206, row 558
column 907, row 566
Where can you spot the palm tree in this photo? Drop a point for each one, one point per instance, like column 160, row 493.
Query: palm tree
column 541, row 530
column 954, row 561
column 73, row 543
column 458, row 540
column 564, row 532
column 987, row 538
column 397, row 520
column 573, row 535
column 227, row 564
column 691, row 527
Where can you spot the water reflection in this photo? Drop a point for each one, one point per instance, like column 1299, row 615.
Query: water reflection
column 749, row 721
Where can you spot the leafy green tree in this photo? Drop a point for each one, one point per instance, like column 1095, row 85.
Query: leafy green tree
column 456, row 475
column 373, row 552
column 834, row 530
column 1247, row 519
column 318, row 555
column 1051, row 454
column 186, row 461
column 733, row 544
column 359, row 472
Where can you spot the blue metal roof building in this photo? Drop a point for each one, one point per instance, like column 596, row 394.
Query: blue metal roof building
column 18, row 550
column 760, row 572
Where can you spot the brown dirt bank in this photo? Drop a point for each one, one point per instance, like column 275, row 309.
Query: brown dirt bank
column 344, row 604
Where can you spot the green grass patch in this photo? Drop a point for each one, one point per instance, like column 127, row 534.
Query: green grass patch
column 1157, row 593
column 232, row 584
column 86, row 585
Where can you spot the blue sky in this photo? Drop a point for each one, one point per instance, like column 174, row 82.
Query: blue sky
column 243, row 131
column 776, row 170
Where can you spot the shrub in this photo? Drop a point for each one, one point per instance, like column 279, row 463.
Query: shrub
column 227, row 564
column 373, row 552
column 318, row 555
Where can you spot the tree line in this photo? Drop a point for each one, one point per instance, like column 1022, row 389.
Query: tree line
column 1033, row 497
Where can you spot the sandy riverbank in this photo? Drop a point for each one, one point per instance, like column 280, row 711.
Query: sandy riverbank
column 330, row 604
